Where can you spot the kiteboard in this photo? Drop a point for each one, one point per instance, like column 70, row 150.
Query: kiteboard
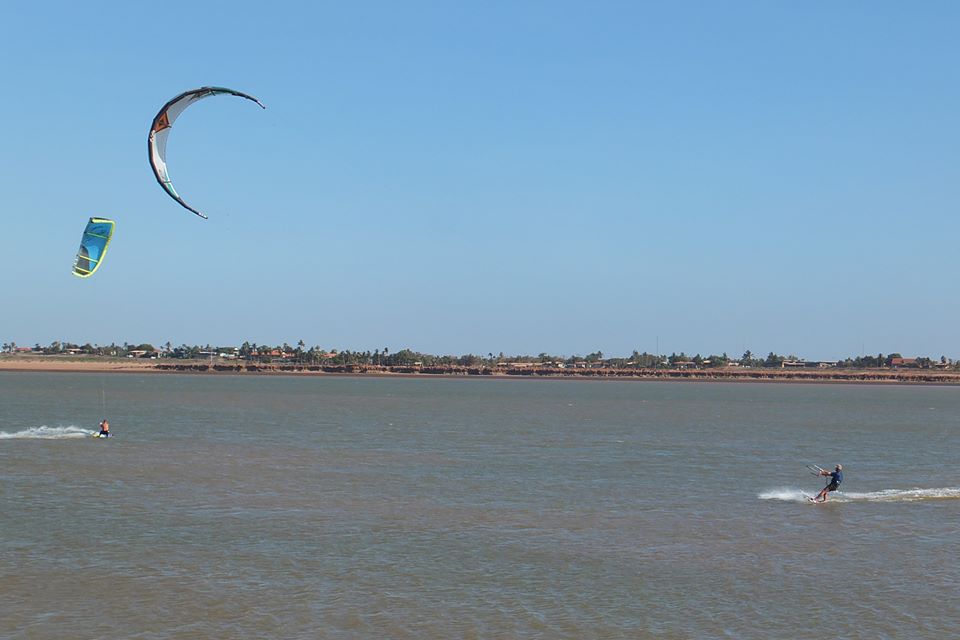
column 101, row 435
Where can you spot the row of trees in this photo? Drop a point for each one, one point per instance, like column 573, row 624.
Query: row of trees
column 880, row 360
column 58, row 348
column 406, row 357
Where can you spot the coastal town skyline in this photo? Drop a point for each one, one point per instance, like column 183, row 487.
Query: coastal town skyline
column 300, row 352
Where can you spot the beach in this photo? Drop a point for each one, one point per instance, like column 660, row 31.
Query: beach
column 75, row 364
column 220, row 366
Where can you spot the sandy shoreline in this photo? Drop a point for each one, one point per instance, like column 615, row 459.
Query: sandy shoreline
column 54, row 364
column 73, row 365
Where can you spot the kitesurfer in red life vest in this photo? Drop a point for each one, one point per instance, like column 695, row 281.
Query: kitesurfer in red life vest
column 836, row 477
column 104, row 428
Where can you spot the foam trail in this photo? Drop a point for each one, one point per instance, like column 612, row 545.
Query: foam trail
column 787, row 495
column 47, row 433
column 905, row 495
column 885, row 495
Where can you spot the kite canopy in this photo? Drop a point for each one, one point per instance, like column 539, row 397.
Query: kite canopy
column 93, row 246
column 160, row 130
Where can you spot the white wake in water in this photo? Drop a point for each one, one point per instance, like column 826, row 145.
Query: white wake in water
column 886, row 495
column 47, row 433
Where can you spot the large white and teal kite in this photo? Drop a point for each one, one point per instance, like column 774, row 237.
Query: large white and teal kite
column 160, row 130
column 93, row 246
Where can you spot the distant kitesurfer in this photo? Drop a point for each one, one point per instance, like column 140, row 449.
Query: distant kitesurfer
column 836, row 477
column 104, row 429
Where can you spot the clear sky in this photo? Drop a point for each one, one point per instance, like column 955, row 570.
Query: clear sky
column 458, row 177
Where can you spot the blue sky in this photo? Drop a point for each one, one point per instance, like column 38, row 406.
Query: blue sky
column 495, row 176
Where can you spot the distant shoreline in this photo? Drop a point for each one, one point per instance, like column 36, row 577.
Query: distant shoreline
column 56, row 364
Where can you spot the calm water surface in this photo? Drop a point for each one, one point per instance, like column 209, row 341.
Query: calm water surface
column 260, row 507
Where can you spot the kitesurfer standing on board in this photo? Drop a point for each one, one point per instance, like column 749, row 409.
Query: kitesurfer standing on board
column 104, row 429
column 836, row 477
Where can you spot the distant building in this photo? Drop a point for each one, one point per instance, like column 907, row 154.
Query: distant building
column 808, row 364
column 906, row 363
column 271, row 355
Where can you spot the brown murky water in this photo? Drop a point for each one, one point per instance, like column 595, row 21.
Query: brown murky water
column 230, row 507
